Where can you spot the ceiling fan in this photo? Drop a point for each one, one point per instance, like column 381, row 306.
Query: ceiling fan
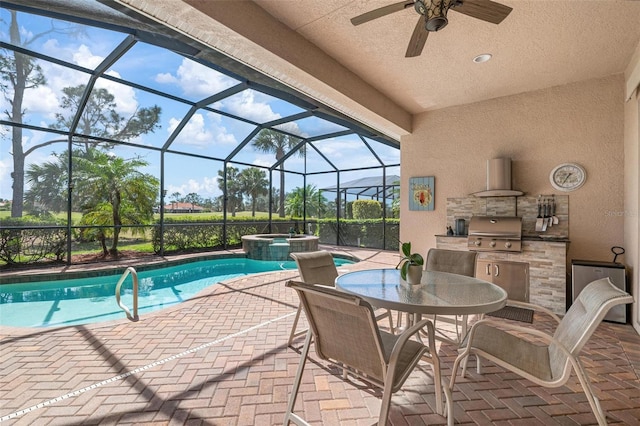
column 433, row 16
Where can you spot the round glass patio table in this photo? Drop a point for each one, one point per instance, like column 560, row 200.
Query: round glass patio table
column 439, row 293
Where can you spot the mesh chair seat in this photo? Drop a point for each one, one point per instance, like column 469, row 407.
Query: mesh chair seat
column 453, row 262
column 318, row 267
column 546, row 360
column 383, row 359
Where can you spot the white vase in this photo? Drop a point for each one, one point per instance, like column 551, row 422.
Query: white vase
column 414, row 274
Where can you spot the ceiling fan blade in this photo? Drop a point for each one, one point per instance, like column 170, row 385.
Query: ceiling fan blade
column 418, row 39
column 485, row 10
column 380, row 12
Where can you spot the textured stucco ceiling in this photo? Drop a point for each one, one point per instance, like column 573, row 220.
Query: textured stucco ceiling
column 311, row 45
column 541, row 43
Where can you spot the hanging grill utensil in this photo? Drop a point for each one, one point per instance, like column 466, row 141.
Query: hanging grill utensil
column 539, row 219
column 617, row 250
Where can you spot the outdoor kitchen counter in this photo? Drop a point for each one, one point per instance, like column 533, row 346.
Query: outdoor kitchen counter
column 547, row 259
column 524, row 238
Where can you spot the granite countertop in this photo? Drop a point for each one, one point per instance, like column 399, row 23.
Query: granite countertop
column 541, row 238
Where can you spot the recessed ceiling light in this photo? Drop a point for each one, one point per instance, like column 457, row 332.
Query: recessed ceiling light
column 482, row 58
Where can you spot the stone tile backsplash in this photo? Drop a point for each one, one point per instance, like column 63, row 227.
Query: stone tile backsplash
column 524, row 206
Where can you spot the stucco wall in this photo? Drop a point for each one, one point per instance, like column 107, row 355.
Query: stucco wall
column 581, row 122
column 632, row 181
column 632, row 204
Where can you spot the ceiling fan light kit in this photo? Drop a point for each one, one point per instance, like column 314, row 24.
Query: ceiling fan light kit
column 435, row 13
column 433, row 16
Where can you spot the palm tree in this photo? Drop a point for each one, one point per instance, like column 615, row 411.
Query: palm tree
column 271, row 141
column 118, row 183
column 233, row 191
column 254, row 183
column 109, row 190
column 315, row 202
column 47, row 181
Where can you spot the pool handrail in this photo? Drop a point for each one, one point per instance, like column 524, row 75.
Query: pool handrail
column 130, row 270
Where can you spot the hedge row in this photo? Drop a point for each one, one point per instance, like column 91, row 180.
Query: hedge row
column 31, row 244
column 361, row 233
column 30, row 241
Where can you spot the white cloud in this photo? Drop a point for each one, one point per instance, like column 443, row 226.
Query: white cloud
column 124, row 96
column 202, row 133
column 39, row 156
column 196, row 80
column 166, row 78
column 206, row 188
column 247, row 106
column 263, row 161
column 6, row 166
column 291, row 127
column 85, row 58
column 41, row 100
column 46, row 99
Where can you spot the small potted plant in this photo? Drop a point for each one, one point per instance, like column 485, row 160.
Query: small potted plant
column 411, row 269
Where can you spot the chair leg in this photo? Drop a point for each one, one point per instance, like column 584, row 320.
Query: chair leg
column 390, row 315
column 295, row 325
column 290, row 416
column 461, row 358
column 478, row 364
column 449, row 403
column 435, row 364
column 387, row 392
column 594, row 403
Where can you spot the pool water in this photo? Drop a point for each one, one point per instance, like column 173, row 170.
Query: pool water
column 91, row 300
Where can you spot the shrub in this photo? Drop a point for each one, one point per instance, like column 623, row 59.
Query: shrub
column 360, row 233
column 367, row 209
column 27, row 240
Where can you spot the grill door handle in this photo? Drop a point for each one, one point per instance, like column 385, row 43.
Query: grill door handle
column 497, row 270
column 488, row 269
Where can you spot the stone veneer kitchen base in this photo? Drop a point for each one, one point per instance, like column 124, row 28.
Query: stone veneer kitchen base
column 547, row 268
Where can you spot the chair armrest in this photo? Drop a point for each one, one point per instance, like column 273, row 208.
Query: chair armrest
column 397, row 348
column 534, row 307
column 546, row 337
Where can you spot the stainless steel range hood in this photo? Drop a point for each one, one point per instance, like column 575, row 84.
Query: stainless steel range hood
column 498, row 179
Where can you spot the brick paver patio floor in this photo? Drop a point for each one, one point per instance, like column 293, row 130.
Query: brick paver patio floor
column 222, row 359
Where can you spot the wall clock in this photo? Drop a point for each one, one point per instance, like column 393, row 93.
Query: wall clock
column 568, row 177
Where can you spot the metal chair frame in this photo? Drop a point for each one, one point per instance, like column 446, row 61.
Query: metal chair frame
column 387, row 367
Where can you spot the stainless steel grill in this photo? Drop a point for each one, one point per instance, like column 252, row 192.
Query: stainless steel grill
column 495, row 233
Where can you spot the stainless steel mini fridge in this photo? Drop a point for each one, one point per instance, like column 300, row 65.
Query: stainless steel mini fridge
column 585, row 271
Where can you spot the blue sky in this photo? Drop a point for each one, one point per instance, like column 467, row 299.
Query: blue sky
column 206, row 133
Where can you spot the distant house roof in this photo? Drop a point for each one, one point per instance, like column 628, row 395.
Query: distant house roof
column 183, row 207
column 368, row 186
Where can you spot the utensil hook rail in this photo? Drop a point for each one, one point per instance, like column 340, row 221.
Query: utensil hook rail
column 130, row 270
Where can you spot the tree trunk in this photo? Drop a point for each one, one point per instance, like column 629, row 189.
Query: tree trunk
column 116, row 223
column 17, row 202
column 22, row 73
column 103, row 243
column 281, row 200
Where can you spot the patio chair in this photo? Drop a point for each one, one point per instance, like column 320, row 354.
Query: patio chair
column 454, row 262
column 547, row 365
column 382, row 359
column 318, row 267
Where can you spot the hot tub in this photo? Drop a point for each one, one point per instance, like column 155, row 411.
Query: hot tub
column 277, row 246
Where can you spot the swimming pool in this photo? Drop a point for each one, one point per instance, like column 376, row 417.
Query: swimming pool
column 91, row 300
